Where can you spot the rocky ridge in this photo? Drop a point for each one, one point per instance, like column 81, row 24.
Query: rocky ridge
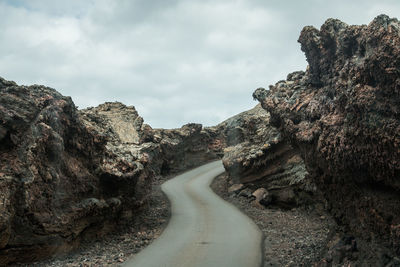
column 342, row 114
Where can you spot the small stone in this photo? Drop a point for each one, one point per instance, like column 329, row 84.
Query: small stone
column 260, row 193
column 235, row 188
column 246, row 193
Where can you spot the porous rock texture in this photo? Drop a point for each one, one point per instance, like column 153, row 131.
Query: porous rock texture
column 66, row 175
column 258, row 157
column 49, row 190
column 343, row 115
column 128, row 161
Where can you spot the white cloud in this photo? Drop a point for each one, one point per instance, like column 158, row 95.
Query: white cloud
column 176, row 61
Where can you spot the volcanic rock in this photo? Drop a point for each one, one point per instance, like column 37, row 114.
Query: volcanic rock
column 48, row 184
column 235, row 188
column 128, row 164
column 343, row 116
column 67, row 174
column 262, row 196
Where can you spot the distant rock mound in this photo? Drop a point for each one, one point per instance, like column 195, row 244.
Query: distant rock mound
column 343, row 115
column 188, row 147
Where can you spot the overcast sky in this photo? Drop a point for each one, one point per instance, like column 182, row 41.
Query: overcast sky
column 176, row 61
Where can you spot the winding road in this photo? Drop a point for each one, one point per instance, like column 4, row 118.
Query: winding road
column 204, row 230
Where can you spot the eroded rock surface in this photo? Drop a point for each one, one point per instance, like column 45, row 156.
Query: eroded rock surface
column 66, row 174
column 128, row 162
column 259, row 157
column 49, row 190
column 343, row 115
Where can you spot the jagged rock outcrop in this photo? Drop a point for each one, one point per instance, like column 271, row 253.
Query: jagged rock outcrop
column 259, row 157
column 67, row 174
column 49, row 190
column 343, row 114
column 128, row 162
column 140, row 150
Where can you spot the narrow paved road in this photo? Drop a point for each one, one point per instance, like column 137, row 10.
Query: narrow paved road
column 204, row 230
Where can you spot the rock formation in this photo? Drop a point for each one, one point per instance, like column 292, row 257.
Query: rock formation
column 333, row 129
column 49, row 190
column 67, row 174
column 343, row 115
column 128, row 162
column 188, row 147
column 258, row 157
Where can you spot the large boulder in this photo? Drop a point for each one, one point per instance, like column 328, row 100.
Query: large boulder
column 129, row 162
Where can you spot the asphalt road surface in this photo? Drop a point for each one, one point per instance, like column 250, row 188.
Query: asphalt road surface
column 204, row 230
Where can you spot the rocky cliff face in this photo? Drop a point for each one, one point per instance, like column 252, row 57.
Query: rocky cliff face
column 50, row 192
column 67, row 174
column 343, row 116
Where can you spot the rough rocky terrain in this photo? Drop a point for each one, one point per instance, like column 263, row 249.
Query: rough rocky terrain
column 50, row 192
column 68, row 175
column 188, row 147
column 342, row 114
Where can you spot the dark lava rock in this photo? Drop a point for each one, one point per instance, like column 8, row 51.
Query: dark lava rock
column 67, row 175
column 343, row 115
column 49, row 189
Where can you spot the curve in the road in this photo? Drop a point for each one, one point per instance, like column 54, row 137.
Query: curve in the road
column 204, row 230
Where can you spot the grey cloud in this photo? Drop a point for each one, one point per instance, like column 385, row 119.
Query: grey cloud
column 177, row 61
